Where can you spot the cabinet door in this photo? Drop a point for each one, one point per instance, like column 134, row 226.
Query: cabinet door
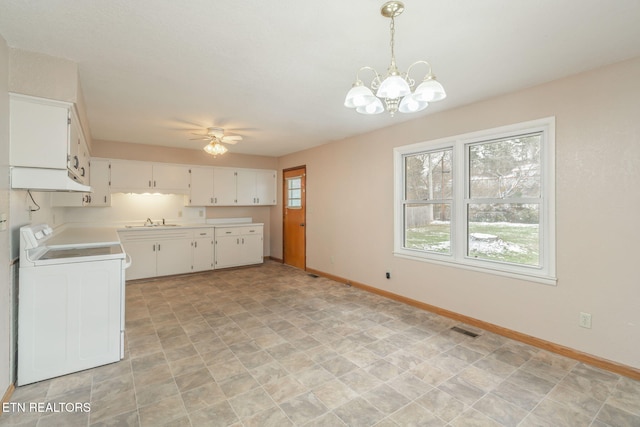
column 70, row 199
column 251, row 249
column 203, row 252
column 201, row 191
column 266, row 187
column 143, row 259
column 227, row 251
column 39, row 133
column 171, row 177
column 224, row 187
column 130, row 176
column 173, row 256
column 246, row 187
column 100, row 176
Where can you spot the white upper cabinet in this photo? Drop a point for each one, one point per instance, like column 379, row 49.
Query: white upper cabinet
column 79, row 160
column 100, row 186
column 266, row 187
column 171, row 177
column 133, row 176
column 39, row 132
column 201, row 192
column 224, row 187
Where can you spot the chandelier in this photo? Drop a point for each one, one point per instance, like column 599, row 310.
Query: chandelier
column 394, row 88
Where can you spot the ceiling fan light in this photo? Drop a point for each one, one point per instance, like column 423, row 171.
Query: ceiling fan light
column 374, row 107
column 215, row 148
column 392, row 87
column 410, row 104
column 358, row 96
column 430, row 90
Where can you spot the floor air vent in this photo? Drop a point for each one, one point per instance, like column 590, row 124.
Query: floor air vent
column 464, row 331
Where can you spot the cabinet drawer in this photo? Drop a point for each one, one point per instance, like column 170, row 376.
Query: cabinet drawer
column 251, row 230
column 202, row 233
column 228, row 231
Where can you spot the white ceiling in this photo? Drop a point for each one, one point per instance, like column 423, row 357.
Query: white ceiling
column 153, row 71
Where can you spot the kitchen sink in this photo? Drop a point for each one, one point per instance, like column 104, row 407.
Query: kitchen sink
column 152, row 226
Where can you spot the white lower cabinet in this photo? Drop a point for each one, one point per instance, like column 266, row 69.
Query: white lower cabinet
column 239, row 245
column 162, row 252
column 168, row 251
column 174, row 256
column 202, row 250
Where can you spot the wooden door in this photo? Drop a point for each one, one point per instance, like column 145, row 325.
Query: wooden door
column 294, row 212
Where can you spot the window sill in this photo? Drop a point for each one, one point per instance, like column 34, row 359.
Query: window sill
column 530, row 277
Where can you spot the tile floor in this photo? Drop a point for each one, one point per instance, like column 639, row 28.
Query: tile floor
column 273, row 346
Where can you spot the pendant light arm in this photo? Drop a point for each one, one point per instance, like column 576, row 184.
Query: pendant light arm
column 429, row 73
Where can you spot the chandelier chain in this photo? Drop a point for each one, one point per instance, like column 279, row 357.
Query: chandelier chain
column 392, row 26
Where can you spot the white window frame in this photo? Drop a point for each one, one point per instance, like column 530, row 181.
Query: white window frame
column 544, row 273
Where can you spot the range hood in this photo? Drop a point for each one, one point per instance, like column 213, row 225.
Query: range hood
column 41, row 179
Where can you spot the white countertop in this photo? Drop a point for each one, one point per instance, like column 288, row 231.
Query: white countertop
column 85, row 236
column 181, row 226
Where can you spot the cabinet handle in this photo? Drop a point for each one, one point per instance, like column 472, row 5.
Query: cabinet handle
column 212, row 200
column 154, row 248
column 243, row 240
column 82, row 171
column 105, row 199
column 203, row 234
column 237, row 241
column 196, row 244
column 76, row 162
column 215, row 200
column 154, row 184
column 158, row 247
column 149, row 183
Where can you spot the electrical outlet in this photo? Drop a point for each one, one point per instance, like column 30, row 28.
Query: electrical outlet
column 585, row 320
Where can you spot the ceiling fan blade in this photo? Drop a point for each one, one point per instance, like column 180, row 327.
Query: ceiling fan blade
column 227, row 138
column 203, row 137
column 224, row 141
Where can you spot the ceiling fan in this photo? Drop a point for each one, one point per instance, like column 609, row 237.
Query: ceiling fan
column 216, row 137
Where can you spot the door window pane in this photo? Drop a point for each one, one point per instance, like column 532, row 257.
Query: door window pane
column 294, row 192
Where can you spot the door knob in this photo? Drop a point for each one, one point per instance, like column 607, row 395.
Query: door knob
column 302, row 224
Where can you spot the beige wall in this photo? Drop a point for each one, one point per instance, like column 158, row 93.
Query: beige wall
column 155, row 153
column 6, row 281
column 350, row 214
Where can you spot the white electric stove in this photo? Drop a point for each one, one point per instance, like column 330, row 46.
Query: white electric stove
column 70, row 301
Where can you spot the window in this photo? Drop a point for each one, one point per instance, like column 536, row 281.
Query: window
column 482, row 201
column 294, row 192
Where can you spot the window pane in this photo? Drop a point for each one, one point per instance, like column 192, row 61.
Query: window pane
column 505, row 168
column 428, row 176
column 295, row 194
column 507, row 232
column 428, row 227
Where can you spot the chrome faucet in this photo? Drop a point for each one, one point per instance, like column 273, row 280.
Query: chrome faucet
column 148, row 221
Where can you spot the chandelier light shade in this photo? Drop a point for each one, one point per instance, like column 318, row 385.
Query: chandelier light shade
column 396, row 89
column 215, row 148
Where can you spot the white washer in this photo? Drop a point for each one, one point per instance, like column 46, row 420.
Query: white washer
column 70, row 305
